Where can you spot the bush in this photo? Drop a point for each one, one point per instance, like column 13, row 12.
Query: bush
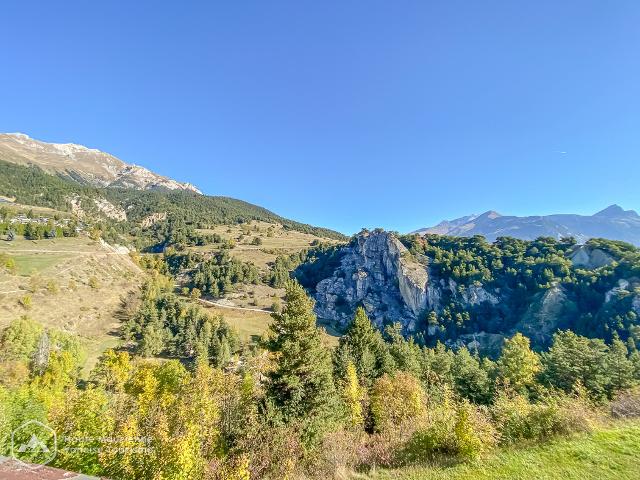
column 474, row 434
column 518, row 419
column 452, row 429
column 395, row 400
column 25, row 302
column 52, row 287
column 340, row 452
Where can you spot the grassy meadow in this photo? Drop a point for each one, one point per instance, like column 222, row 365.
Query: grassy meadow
column 611, row 453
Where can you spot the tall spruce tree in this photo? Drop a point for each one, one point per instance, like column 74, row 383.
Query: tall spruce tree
column 301, row 382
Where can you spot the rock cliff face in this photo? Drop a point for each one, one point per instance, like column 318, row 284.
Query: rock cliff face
column 587, row 257
column 378, row 272
column 544, row 313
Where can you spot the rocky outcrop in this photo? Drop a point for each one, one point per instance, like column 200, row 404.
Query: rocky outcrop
column 378, row 272
column 543, row 315
column 110, row 210
column 621, row 289
column 152, row 219
column 587, row 257
column 375, row 271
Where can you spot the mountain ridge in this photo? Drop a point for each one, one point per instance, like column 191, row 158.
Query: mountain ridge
column 611, row 222
column 84, row 165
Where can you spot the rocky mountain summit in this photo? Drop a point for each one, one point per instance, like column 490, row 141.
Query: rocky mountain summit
column 378, row 272
column 613, row 222
column 84, row 165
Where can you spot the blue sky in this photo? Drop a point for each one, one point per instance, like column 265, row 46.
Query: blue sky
column 344, row 114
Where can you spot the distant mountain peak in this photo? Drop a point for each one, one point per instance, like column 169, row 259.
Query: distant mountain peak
column 83, row 164
column 490, row 214
column 615, row 210
column 613, row 223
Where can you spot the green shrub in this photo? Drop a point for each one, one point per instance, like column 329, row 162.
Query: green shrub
column 451, row 429
column 518, row 419
column 474, row 434
column 25, row 302
column 395, row 400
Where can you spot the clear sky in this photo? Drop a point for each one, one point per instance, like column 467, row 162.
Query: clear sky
column 344, row 113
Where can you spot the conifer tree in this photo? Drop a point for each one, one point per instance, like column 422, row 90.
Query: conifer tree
column 620, row 367
column 363, row 346
column 352, row 394
column 301, row 382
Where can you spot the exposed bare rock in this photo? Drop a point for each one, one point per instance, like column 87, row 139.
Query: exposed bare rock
column 590, row 258
column 541, row 319
column 76, row 206
column 110, row 210
column 622, row 288
column 153, row 218
column 378, row 272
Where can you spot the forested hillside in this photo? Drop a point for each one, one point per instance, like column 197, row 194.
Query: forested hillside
column 32, row 186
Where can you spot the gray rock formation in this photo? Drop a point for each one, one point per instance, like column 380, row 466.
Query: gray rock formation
column 541, row 319
column 590, row 258
column 379, row 273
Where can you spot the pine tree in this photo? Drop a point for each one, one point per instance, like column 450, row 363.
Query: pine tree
column 301, row 382
column 153, row 340
column 470, row 379
column 518, row 364
column 620, row 367
column 574, row 359
column 363, row 346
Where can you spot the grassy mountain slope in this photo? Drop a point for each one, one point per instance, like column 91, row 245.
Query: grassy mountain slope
column 71, row 284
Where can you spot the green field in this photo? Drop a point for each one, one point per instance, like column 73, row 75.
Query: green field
column 612, row 453
column 28, row 264
column 251, row 325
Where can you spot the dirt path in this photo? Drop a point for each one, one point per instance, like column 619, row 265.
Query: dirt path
column 75, row 252
column 222, row 305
